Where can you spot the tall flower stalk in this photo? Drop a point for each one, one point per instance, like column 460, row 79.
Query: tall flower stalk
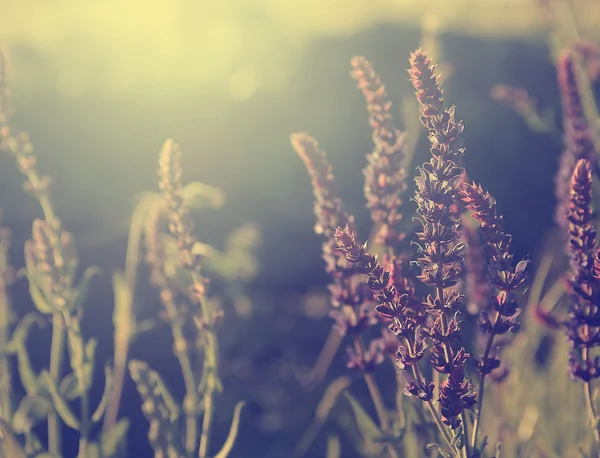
column 180, row 225
column 18, row 145
column 583, row 326
column 440, row 254
column 579, row 134
column 501, row 315
column 349, row 295
column 385, row 176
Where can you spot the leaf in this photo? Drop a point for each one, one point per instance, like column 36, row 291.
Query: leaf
column 108, row 386
column 31, row 409
column 60, row 403
column 22, row 331
column 83, row 287
column 198, row 196
column 334, row 447
column 69, row 387
column 39, row 299
column 8, row 443
column 111, row 439
column 88, row 366
column 367, row 427
column 233, row 430
column 123, row 314
column 205, row 250
column 26, row 373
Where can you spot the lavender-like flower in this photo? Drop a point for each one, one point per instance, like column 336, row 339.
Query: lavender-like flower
column 393, row 307
column 579, row 136
column 330, row 214
column 349, row 294
column 583, row 327
column 505, row 277
column 440, row 255
column 385, row 176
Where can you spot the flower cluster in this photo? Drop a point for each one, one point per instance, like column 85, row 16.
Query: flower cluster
column 392, row 306
column 583, row 326
column 441, row 256
column 385, row 176
column 579, row 135
column 349, row 295
column 505, row 277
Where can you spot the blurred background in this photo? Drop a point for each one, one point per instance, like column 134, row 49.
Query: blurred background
column 101, row 85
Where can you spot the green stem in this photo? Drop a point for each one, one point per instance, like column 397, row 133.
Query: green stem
column 480, row 397
column 377, row 398
column 191, row 390
column 210, row 368
column 211, row 356
column 5, row 322
column 85, row 418
column 434, row 413
column 466, row 449
column 56, row 354
column 590, row 402
column 121, row 350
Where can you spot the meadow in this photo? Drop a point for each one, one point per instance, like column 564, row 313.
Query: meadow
column 362, row 232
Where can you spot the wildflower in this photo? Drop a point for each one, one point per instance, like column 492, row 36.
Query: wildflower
column 385, row 176
column 455, row 396
column 440, row 255
column 391, row 304
column 583, row 326
column 346, row 288
column 579, row 136
column 365, row 361
column 505, row 277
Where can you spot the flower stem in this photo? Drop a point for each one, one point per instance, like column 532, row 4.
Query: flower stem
column 191, row 390
column 56, row 354
column 211, row 356
column 486, row 354
column 434, row 413
column 382, row 414
column 590, row 402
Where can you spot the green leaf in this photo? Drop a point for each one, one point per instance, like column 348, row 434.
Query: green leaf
column 39, row 299
column 114, row 437
column 83, row 287
column 88, row 366
column 108, row 386
column 233, row 430
column 31, row 410
column 8, row 443
column 26, row 373
column 123, row 312
column 69, row 387
column 198, row 196
column 22, row 331
column 205, row 250
column 334, row 447
column 60, row 404
column 367, row 427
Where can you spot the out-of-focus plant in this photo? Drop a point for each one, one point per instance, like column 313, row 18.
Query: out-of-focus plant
column 162, row 225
